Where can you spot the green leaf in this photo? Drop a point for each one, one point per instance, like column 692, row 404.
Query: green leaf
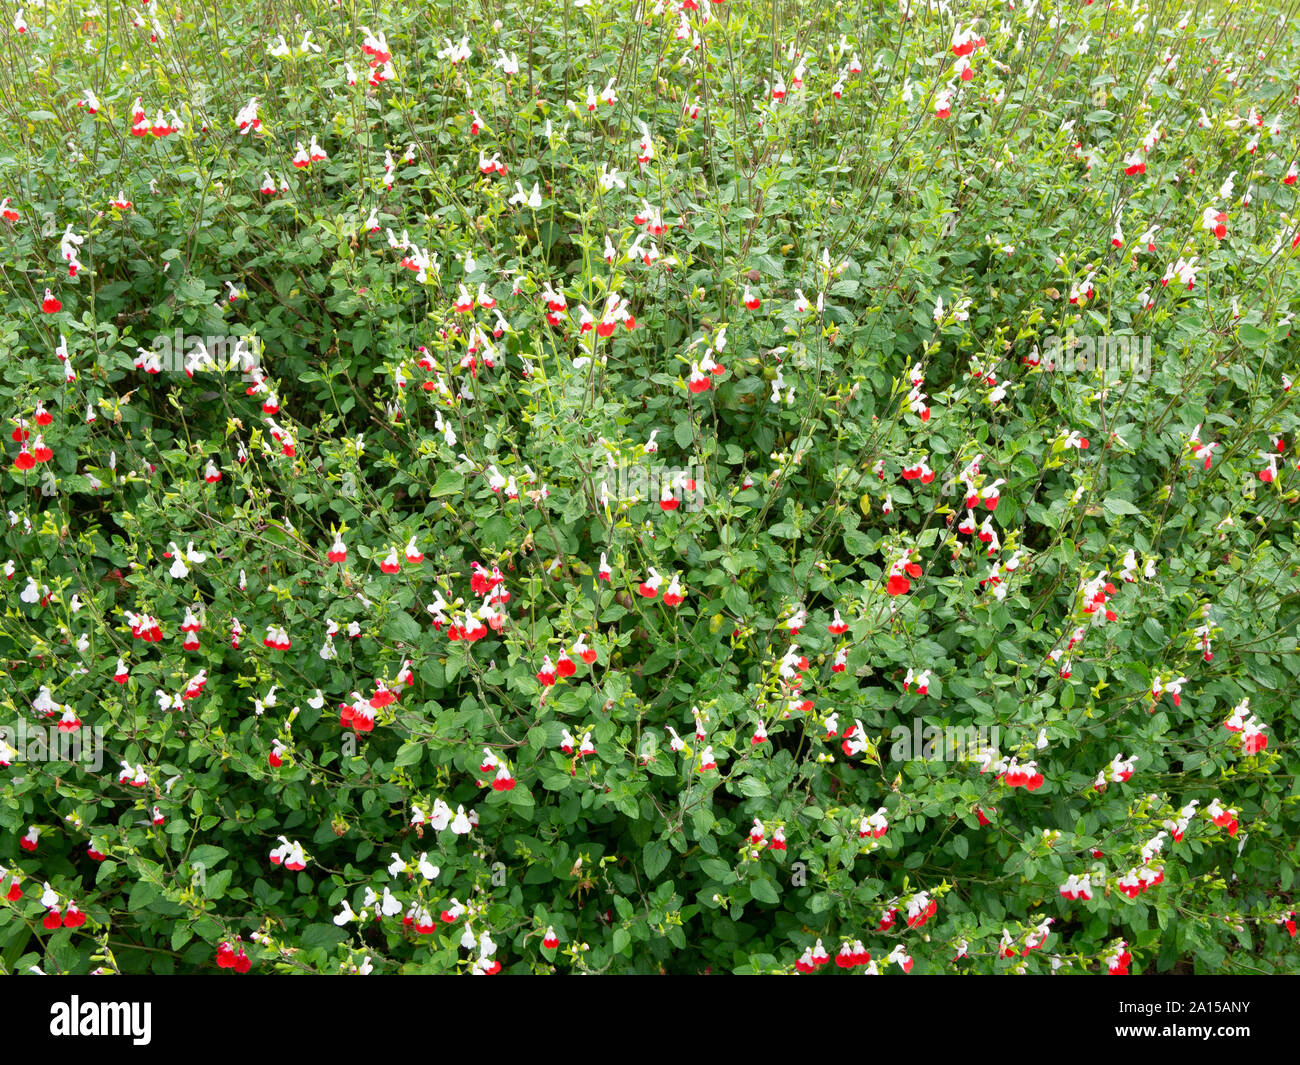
column 449, row 483
column 717, row 870
column 402, row 627
column 750, row 786
column 1252, row 336
column 207, row 856
column 1115, row 506
column 655, row 858
column 215, row 884
column 322, row 935
column 142, row 894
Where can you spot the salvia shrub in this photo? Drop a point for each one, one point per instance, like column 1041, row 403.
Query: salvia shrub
column 622, row 487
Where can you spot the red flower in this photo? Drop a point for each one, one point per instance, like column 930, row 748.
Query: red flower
column 339, row 551
column 546, row 675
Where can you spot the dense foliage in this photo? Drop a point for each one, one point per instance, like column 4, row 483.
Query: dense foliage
column 766, row 350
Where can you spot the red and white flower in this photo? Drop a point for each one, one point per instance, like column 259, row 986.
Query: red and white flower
column 875, row 825
column 289, row 854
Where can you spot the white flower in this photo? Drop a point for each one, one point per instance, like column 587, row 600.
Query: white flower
column 440, row 818
column 609, row 180
column 532, row 200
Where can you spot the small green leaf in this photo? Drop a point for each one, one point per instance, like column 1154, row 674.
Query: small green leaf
column 655, row 857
